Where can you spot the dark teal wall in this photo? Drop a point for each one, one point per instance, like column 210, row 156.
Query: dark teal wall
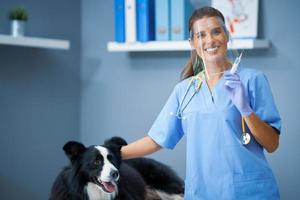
column 39, row 99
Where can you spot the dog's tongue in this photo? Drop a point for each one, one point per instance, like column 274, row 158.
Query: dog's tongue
column 109, row 186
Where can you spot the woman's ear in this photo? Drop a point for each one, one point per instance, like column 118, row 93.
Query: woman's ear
column 191, row 44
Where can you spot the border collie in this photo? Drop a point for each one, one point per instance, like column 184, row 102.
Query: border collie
column 98, row 173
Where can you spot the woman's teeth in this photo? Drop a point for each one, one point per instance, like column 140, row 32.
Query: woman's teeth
column 211, row 49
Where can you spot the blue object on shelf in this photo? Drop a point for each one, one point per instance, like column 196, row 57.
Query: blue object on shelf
column 120, row 21
column 162, row 20
column 180, row 11
column 145, row 20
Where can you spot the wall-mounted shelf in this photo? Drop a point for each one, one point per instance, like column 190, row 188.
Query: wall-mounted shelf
column 34, row 42
column 181, row 45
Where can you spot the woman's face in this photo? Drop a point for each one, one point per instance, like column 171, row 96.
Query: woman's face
column 210, row 39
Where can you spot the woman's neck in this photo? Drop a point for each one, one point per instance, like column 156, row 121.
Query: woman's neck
column 215, row 70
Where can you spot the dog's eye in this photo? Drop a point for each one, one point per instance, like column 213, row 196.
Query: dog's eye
column 97, row 162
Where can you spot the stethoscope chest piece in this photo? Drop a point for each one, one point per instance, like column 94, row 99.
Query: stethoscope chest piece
column 245, row 139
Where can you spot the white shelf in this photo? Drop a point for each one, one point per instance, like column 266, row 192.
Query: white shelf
column 181, row 45
column 34, row 42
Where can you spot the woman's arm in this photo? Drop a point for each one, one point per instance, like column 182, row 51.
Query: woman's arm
column 139, row 148
column 262, row 132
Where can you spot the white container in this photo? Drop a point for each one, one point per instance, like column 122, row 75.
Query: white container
column 17, row 28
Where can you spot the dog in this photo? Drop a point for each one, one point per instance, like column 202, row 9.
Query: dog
column 98, row 173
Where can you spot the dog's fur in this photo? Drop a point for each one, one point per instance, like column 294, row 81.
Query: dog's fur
column 98, row 173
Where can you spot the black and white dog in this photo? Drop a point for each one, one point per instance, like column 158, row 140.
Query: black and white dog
column 98, row 173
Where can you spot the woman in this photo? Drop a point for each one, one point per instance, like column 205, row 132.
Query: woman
column 219, row 164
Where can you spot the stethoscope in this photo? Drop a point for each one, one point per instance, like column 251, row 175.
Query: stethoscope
column 199, row 77
column 245, row 137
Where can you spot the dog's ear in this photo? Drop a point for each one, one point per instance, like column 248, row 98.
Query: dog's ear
column 73, row 149
column 115, row 141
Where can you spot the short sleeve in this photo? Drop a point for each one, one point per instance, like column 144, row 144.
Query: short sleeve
column 262, row 101
column 167, row 129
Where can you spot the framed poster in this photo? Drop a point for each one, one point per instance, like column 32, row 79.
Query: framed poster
column 241, row 16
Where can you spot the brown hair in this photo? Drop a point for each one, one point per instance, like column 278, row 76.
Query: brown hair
column 200, row 13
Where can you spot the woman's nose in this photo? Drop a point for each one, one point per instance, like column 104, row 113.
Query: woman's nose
column 209, row 38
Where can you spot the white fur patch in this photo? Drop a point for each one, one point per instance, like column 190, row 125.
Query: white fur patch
column 166, row 196
column 107, row 166
column 96, row 193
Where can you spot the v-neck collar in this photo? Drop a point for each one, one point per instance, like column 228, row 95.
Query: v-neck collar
column 216, row 85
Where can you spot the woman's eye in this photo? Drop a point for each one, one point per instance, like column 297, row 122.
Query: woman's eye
column 200, row 35
column 216, row 32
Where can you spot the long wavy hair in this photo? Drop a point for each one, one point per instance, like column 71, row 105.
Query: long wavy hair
column 191, row 68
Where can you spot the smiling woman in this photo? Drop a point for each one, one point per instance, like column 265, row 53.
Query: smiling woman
column 208, row 105
column 209, row 39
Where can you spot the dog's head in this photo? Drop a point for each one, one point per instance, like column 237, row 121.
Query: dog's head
column 98, row 164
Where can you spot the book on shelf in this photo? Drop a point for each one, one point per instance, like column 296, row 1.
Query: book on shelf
column 241, row 17
column 162, row 20
column 180, row 13
column 119, row 21
column 130, row 21
column 145, row 20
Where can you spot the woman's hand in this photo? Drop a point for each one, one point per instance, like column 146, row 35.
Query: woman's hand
column 139, row 148
column 236, row 91
column 263, row 133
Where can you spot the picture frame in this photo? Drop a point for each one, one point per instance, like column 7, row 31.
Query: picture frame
column 241, row 17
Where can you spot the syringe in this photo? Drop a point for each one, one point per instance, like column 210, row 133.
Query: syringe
column 236, row 63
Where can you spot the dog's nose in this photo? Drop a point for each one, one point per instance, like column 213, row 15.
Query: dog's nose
column 114, row 174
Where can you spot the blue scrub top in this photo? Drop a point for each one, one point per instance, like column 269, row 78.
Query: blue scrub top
column 218, row 166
